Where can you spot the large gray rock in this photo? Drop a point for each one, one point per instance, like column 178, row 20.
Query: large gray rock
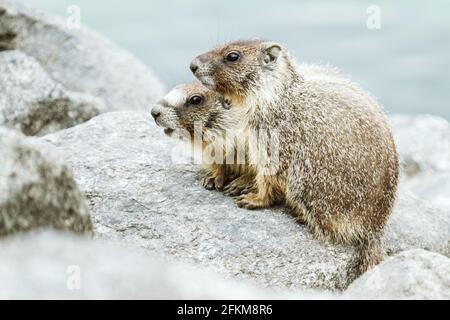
column 413, row 274
column 143, row 192
column 79, row 59
column 416, row 223
column 63, row 266
column 423, row 142
column 32, row 102
column 37, row 188
column 424, row 146
column 433, row 187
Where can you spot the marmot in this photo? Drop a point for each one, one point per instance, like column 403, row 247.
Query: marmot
column 338, row 166
column 189, row 105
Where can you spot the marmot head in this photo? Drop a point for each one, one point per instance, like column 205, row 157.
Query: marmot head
column 190, row 105
column 239, row 68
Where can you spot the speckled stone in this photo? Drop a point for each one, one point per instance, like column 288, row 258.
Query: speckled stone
column 37, row 189
column 144, row 194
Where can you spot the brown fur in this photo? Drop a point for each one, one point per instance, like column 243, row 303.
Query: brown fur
column 234, row 179
column 338, row 169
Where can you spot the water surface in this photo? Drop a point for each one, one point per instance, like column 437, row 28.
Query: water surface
column 405, row 63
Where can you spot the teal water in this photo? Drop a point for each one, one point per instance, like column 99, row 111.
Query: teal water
column 405, row 63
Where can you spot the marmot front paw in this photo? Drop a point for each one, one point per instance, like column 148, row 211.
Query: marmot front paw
column 213, row 181
column 251, row 201
column 242, row 185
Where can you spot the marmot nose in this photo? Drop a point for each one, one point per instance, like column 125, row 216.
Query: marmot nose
column 193, row 67
column 155, row 113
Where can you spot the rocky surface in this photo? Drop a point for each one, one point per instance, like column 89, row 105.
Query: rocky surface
column 423, row 142
column 416, row 223
column 433, row 187
column 413, row 274
column 63, row 266
column 78, row 58
column 424, row 145
column 37, row 188
column 142, row 191
column 32, row 102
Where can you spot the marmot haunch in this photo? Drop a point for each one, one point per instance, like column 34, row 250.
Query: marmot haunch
column 338, row 168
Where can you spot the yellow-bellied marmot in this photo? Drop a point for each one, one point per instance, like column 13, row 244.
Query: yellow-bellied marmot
column 338, row 165
column 190, row 106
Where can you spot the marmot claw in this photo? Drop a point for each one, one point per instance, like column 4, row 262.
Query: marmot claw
column 250, row 201
column 212, row 182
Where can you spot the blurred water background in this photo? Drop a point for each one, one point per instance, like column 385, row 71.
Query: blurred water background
column 405, row 63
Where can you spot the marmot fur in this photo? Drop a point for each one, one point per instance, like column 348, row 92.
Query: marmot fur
column 337, row 162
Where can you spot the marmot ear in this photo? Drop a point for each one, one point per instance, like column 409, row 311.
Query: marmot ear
column 272, row 51
column 225, row 103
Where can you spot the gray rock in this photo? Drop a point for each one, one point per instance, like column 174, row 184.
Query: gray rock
column 79, row 59
column 32, row 102
column 424, row 146
column 142, row 191
column 423, row 142
column 416, row 223
column 37, row 189
column 433, row 187
column 63, row 266
column 413, row 274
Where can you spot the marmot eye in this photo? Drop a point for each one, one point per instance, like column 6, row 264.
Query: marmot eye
column 195, row 100
column 233, row 56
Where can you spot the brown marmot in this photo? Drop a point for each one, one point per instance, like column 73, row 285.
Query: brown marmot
column 194, row 113
column 338, row 165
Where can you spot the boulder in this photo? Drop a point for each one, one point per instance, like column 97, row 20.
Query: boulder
column 412, row 274
column 423, row 142
column 37, row 189
column 433, row 187
column 64, row 266
column 78, row 58
column 142, row 191
column 416, row 223
column 34, row 103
